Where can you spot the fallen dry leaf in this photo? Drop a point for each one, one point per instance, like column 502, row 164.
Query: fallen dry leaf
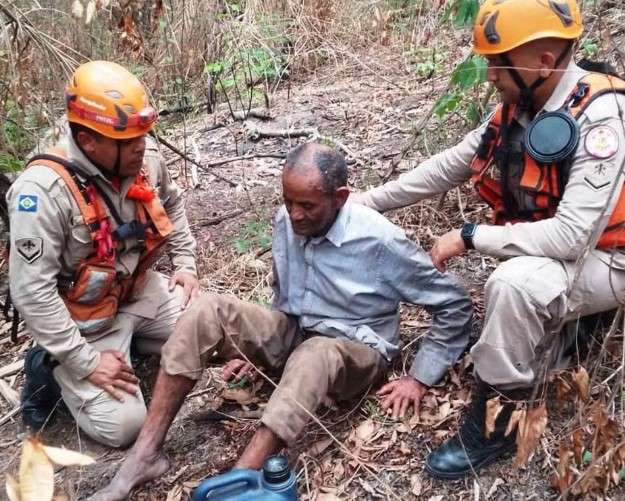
column 531, row 428
column 77, row 9
column 581, row 382
column 365, row 431
column 493, row 488
column 416, row 485
column 13, row 488
column 65, row 457
column 493, row 408
column 175, row 493
column 327, row 496
column 36, row 474
column 318, row 447
column 90, row 11
column 242, row 396
column 578, row 445
column 516, row 416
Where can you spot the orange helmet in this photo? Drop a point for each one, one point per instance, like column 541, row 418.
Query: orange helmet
column 502, row 25
column 108, row 99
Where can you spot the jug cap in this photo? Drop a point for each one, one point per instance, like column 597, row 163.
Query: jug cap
column 276, row 469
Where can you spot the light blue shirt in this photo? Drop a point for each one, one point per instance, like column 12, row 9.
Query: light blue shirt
column 349, row 283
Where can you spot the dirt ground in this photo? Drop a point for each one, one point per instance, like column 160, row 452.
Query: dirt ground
column 369, row 106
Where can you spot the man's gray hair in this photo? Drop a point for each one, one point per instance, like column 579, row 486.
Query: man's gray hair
column 330, row 163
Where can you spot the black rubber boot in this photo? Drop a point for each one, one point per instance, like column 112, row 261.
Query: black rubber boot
column 41, row 393
column 469, row 449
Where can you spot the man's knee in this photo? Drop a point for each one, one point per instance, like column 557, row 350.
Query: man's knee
column 315, row 353
column 537, row 278
column 115, row 424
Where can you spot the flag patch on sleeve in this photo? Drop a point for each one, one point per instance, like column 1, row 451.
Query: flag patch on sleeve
column 27, row 203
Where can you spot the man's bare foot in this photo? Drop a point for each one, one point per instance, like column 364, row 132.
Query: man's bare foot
column 133, row 472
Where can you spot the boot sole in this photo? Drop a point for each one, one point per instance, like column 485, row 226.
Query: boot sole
column 456, row 476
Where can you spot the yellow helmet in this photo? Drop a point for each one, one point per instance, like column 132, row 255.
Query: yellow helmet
column 108, row 99
column 502, row 25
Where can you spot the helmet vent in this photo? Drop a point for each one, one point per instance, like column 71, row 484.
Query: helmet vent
column 114, row 94
column 490, row 30
column 563, row 12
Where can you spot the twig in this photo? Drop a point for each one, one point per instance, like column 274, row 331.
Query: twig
column 218, row 219
column 167, row 144
column 7, row 417
column 12, row 368
column 260, row 113
column 9, row 394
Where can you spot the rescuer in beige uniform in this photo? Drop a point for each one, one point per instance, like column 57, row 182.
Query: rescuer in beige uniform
column 88, row 220
column 549, row 162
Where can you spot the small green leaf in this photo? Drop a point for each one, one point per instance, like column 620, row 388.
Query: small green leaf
column 621, row 474
column 587, row 457
column 473, row 113
column 446, row 103
column 466, row 13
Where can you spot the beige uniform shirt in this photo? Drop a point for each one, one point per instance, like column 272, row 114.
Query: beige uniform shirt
column 49, row 239
column 590, row 186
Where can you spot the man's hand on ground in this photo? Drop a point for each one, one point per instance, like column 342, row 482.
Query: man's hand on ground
column 114, row 375
column 449, row 245
column 237, row 369
column 397, row 396
column 189, row 284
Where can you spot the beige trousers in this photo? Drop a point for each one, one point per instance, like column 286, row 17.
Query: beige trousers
column 314, row 367
column 149, row 321
column 525, row 299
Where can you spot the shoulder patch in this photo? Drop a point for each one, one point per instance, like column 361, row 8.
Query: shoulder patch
column 27, row 203
column 601, row 142
column 29, row 248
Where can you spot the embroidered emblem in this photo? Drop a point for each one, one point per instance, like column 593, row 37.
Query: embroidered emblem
column 30, row 248
column 602, row 142
column 27, row 203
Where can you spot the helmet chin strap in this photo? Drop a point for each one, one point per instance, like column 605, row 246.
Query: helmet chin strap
column 526, row 100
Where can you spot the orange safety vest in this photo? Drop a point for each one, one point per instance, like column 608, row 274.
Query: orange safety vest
column 542, row 185
column 96, row 291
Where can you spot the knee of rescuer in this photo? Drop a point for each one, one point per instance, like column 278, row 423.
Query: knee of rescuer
column 123, row 427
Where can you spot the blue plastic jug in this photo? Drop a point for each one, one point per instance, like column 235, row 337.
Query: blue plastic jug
column 275, row 482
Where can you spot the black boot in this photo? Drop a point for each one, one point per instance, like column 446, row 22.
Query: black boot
column 469, row 449
column 41, row 393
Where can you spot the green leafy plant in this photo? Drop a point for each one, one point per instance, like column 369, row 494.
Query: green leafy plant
column 462, row 12
column 590, row 47
column 465, row 77
column 255, row 234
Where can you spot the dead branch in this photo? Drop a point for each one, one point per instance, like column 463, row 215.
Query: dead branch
column 260, row 113
column 219, row 219
column 9, row 394
column 13, row 368
column 167, row 144
column 257, row 133
column 7, row 417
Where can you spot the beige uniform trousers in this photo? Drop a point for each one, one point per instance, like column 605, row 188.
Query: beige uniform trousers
column 315, row 367
column 525, row 299
column 103, row 418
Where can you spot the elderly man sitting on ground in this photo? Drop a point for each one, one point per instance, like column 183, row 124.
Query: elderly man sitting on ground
column 340, row 271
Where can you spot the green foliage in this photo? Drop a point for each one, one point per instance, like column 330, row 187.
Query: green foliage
column 586, row 458
column 590, row 47
column 9, row 163
column 462, row 12
column 255, row 234
column 447, row 103
column 468, row 74
column 428, row 61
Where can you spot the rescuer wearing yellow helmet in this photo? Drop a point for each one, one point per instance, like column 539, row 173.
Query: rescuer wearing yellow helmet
column 88, row 219
column 549, row 163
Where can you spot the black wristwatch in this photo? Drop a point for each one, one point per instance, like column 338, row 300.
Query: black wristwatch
column 467, row 232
